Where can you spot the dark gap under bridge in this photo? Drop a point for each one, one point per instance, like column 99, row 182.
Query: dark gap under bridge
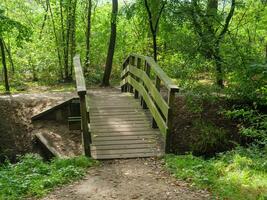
column 132, row 121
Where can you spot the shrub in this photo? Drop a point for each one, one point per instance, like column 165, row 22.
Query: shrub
column 31, row 176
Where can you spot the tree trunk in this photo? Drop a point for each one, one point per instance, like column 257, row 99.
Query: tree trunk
column 154, row 27
column 155, row 47
column 218, row 66
column 56, row 39
column 73, row 36
column 2, row 47
column 112, row 44
column 8, row 50
column 88, row 35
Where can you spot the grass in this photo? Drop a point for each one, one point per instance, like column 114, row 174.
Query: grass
column 240, row 174
column 33, row 87
column 32, row 177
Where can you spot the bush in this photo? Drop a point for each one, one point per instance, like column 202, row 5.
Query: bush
column 252, row 124
column 31, row 176
column 240, row 174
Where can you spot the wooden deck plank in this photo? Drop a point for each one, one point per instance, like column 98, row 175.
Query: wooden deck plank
column 117, row 156
column 125, row 137
column 122, row 146
column 124, row 130
column 123, row 151
column 123, row 142
column 120, row 127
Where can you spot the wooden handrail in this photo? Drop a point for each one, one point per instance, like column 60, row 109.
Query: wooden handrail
column 136, row 78
column 85, row 119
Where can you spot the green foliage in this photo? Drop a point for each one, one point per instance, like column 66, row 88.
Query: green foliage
column 210, row 136
column 252, row 124
column 240, row 174
column 31, row 176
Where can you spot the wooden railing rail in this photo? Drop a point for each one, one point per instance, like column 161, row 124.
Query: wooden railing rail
column 84, row 108
column 137, row 77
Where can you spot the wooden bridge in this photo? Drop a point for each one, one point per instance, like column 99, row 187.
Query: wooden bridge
column 134, row 120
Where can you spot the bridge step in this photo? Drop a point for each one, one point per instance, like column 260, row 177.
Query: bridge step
column 120, row 128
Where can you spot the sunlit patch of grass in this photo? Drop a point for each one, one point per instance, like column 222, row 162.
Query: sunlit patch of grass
column 34, row 177
column 37, row 87
column 238, row 174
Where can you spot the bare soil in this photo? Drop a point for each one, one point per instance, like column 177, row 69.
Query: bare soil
column 16, row 129
column 142, row 179
column 189, row 138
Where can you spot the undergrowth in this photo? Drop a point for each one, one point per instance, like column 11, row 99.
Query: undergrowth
column 32, row 177
column 240, row 174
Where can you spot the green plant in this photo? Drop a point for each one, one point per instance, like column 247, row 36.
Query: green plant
column 31, row 176
column 240, row 174
column 252, row 124
column 210, row 136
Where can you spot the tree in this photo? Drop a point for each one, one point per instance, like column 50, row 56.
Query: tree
column 154, row 12
column 7, row 25
column 88, row 33
column 112, row 43
column 205, row 25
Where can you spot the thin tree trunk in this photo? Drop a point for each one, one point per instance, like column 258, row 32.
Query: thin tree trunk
column 73, row 36
column 218, row 64
column 44, row 21
column 88, row 35
column 7, row 87
column 112, row 44
column 56, row 39
column 64, row 41
column 10, row 57
column 154, row 28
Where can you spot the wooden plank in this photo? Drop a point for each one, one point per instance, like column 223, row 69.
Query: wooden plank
column 122, row 146
column 124, row 137
column 80, row 82
column 123, row 151
column 119, row 125
column 153, row 91
column 47, row 144
column 110, row 123
column 123, row 142
column 120, row 128
column 117, row 156
column 124, row 130
column 158, row 71
column 122, row 134
column 135, row 115
column 153, row 109
column 52, row 109
column 130, row 110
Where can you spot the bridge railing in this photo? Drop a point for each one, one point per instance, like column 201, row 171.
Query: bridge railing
column 137, row 76
column 84, row 107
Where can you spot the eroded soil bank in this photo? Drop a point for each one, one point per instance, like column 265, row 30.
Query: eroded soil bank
column 16, row 136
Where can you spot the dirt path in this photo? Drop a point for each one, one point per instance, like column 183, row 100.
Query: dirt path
column 128, row 179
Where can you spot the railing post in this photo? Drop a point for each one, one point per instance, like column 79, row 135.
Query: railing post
column 85, row 129
column 130, row 88
column 124, row 87
column 81, row 90
column 169, row 122
column 147, row 70
column 138, row 65
column 158, row 81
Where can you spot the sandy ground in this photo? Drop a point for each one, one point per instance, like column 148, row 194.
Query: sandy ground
column 128, row 179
